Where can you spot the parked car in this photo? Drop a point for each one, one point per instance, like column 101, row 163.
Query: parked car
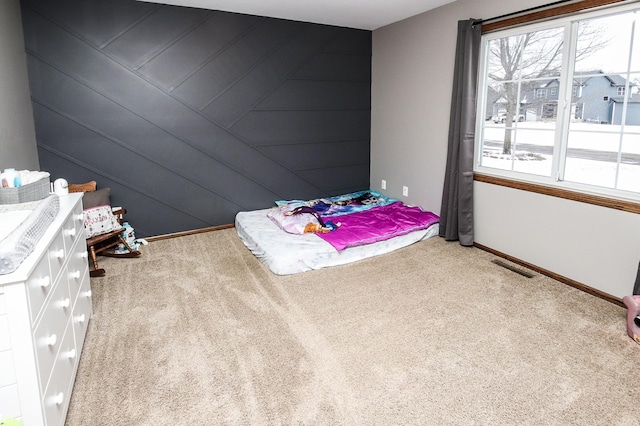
column 501, row 117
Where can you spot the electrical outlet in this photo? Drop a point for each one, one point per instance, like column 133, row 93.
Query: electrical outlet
column 405, row 191
column 383, row 184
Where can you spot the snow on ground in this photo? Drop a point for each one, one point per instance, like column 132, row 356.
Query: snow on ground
column 585, row 136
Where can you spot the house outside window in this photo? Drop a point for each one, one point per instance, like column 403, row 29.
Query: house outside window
column 573, row 84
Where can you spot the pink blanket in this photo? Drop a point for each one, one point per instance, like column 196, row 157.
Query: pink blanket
column 378, row 224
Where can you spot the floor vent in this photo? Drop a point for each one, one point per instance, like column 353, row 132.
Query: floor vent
column 513, row 268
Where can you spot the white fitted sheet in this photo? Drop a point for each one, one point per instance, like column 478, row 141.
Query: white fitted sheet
column 285, row 253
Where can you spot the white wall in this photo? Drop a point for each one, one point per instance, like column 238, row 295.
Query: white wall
column 412, row 69
column 17, row 134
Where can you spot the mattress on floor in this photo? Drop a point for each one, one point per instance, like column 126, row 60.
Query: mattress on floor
column 284, row 253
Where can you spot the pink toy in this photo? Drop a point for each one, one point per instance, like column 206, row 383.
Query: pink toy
column 633, row 316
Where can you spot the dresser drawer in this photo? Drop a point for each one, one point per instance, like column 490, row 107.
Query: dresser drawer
column 39, row 286
column 78, row 220
column 82, row 312
column 58, row 393
column 77, row 269
column 7, row 369
column 10, row 401
column 70, row 232
column 5, row 338
column 57, row 255
column 50, row 330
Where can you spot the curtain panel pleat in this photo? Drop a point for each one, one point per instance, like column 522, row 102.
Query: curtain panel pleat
column 456, row 213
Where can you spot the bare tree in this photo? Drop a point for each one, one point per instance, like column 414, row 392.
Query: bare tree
column 518, row 64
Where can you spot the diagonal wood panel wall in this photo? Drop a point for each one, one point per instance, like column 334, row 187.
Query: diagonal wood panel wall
column 192, row 115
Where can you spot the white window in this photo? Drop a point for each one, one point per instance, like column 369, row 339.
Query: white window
column 576, row 92
column 592, row 147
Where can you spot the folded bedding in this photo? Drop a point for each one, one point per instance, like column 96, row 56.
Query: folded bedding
column 378, row 224
column 340, row 204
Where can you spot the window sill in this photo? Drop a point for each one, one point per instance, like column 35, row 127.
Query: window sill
column 597, row 200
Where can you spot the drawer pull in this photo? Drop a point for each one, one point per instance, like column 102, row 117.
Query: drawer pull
column 71, row 232
column 45, row 282
column 75, row 275
column 58, row 399
column 88, row 294
column 78, row 217
column 65, row 303
column 80, row 318
column 51, row 340
column 71, row 354
column 84, row 255
column 58, row 254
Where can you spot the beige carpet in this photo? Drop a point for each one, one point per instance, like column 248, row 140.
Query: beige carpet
column 198, row 332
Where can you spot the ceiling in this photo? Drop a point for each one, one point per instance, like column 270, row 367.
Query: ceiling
column 361, row 14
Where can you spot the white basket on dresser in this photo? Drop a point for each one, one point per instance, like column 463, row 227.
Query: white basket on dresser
column 45, row 307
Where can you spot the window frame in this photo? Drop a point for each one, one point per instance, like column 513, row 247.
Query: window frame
column 582, row 192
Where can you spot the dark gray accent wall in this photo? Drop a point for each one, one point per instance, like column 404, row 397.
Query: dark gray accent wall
column 192, row 115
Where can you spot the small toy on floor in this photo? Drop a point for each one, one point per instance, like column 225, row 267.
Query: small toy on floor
column 130, row 237
column 633, row 316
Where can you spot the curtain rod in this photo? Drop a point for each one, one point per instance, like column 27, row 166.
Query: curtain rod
column 531, row 9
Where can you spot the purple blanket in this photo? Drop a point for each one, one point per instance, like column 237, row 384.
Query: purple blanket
column 378, row 224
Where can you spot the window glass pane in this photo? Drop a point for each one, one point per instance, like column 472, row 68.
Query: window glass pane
column 497, row 101
column 591, row 172
column 530, row 146
column 502, row 114
column 492, row 148
column 598, row 98
column 505, row 102
column 539, row 100
column 635, row 54
column 629, row 178
column 632, row 118
column 592, row 154
column 526, row 56
column 533, row 148
column 603, row 44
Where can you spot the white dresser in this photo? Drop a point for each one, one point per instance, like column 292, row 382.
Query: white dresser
column 45, row 306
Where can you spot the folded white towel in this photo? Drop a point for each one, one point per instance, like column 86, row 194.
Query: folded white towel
column 27, row 176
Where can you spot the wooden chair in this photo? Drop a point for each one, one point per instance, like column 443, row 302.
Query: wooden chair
column 104, row 244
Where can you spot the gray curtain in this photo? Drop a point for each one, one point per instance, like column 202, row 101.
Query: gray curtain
column 456, row 213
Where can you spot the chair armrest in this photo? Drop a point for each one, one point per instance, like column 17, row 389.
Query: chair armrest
column 119, row 212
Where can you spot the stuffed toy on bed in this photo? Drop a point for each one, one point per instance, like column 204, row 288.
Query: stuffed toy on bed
column 300, row 220
column 313, row 227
